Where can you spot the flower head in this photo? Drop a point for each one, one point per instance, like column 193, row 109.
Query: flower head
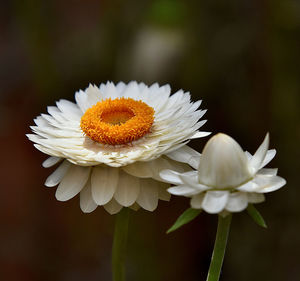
column 227, row 178
column 114, row 141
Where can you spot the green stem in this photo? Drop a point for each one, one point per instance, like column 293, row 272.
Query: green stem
column 119, row 245
column 219, row 248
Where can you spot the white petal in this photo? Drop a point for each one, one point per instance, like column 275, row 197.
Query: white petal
column 182, row 190
column 148, row 196
column 162, row 163
column 200, row 135
column 40, row 121
column 113, row 207
column 187, row 155
column 191, row 179
column 93, row 94
column 267, row 172
column 163, row 194
column 70, row 110
column 255, row 197
column 109, row 90
column 87, row 204
column 215, row 201
column 56, row 114
column 51, row 161
column 72, row 183
column 268, row 183
column 120, row 87
column 249, row 186
column 128, row 189
column 132, row 90
column 104, row 183
column 56, row 177
column 196, row 201
column 223, row 163
column 237, row 202
column 139, row 169
column 248, row 155
column 269, row 156
column 260, row 154
column 170, row 176
column 83, row 101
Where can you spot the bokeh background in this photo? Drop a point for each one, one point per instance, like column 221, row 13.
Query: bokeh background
column 240, row 56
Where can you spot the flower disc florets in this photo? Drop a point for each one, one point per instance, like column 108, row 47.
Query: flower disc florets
column 117, row 121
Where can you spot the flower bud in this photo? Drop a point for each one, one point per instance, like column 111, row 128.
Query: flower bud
column 223, row 163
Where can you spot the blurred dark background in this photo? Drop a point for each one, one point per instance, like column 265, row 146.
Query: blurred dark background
column 240, row 56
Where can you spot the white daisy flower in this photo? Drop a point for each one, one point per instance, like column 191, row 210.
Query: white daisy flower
column 112, row 143
column 227, row 178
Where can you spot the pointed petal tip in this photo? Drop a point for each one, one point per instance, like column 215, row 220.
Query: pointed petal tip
column 267, row 139
column 257, row 160
column 200, row 134
column 170, row 176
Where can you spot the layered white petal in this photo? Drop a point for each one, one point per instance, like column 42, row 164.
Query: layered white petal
column 182, row 190
column 200, row 135
column 237, row 202
column 56, row 177
column 72, row 183
column 69, row 109
column 259, row 156
column 249, row 186
column 223, row 163
column 104, row 182
column 268, row 172
column 128, row 189
column 83, row 101
column 191, row 179
column 152, row 169
column 176, row 121
column 140, row 169
column 148, row 196
column 269, row 156
column 215, row 201
column 263, row 183
column 162, row 163
column 187, row 155
column 87, row 204
column 51, row 161
column 171, row 176
column 268, row 183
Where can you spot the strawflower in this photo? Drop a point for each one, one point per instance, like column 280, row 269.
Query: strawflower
column 227, row 179
column 113, row 142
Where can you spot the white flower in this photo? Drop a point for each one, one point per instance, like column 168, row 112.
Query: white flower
column 112, row 143
column 227, row 178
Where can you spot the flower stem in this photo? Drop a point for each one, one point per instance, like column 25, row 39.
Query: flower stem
column 219, row 248
column 119, row 245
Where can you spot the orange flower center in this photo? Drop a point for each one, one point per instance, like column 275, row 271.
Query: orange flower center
column 117, row 121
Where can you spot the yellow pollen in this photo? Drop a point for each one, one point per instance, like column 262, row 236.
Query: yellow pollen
column 117, row 121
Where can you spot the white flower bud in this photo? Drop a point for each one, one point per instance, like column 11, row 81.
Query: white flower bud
column 223, row 163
